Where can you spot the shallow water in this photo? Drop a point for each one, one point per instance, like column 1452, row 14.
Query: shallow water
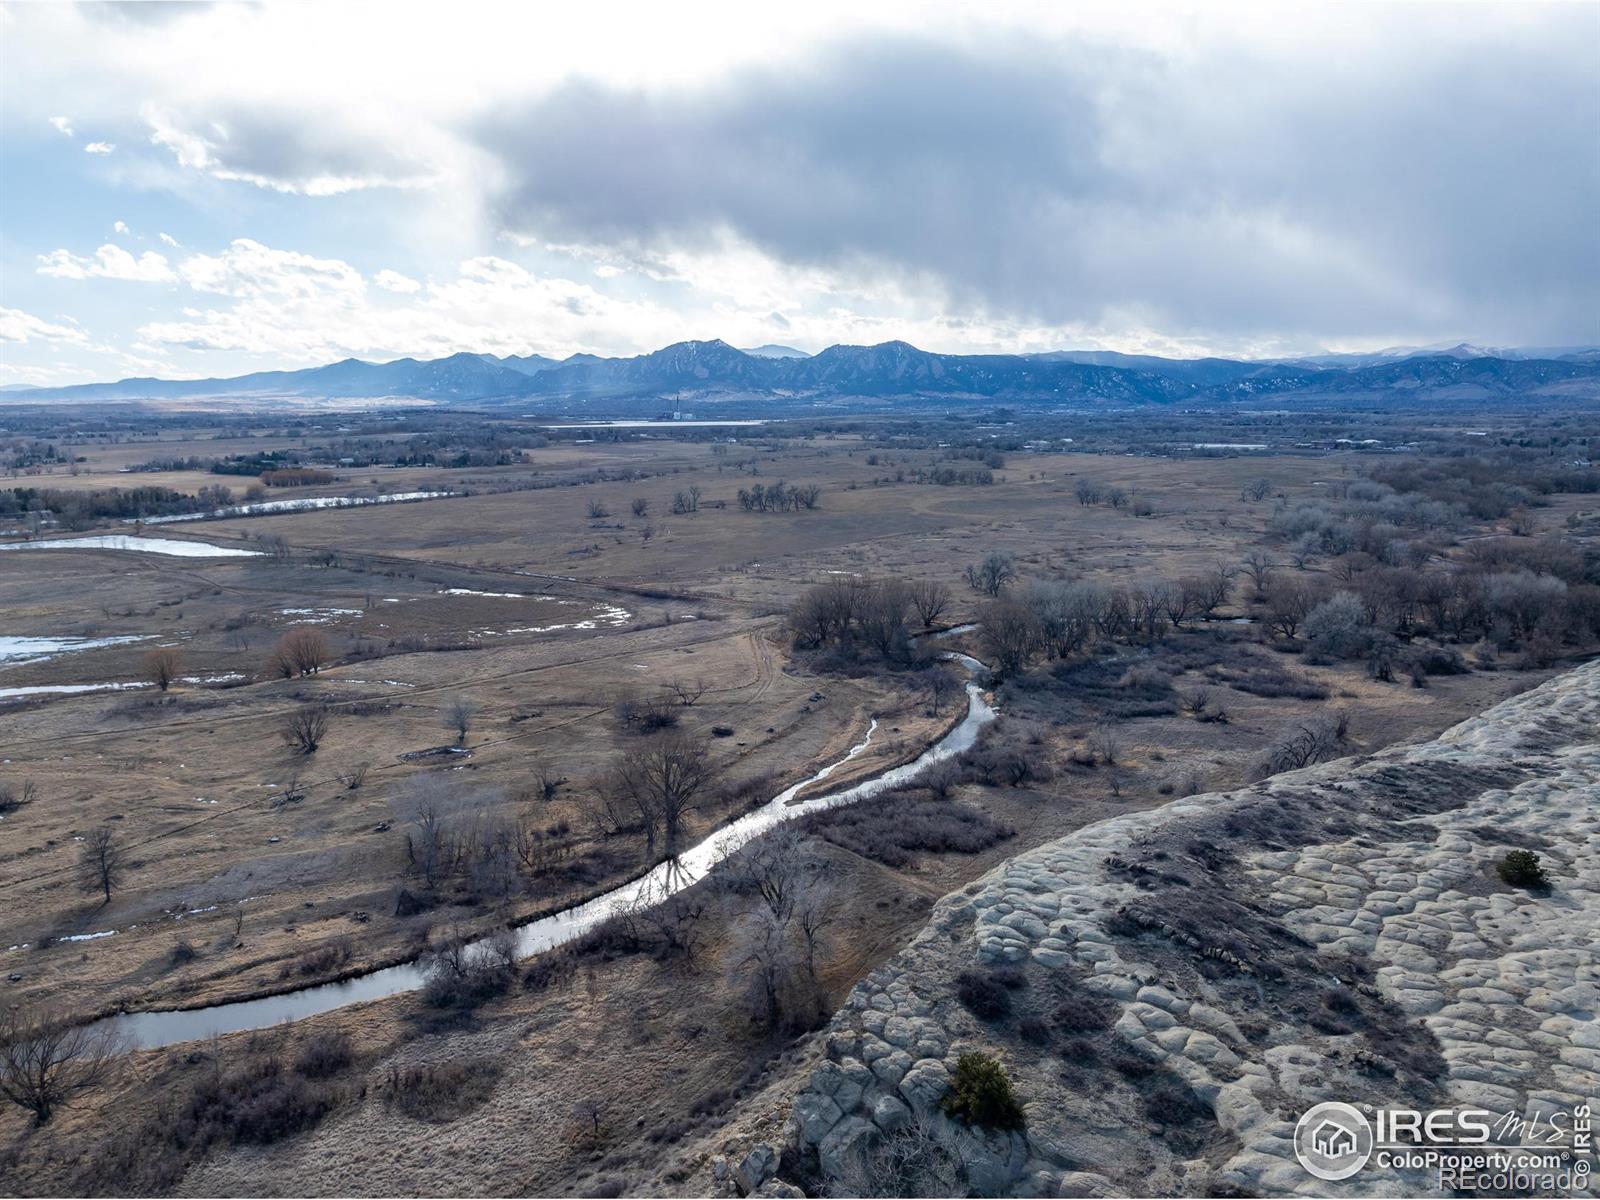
column 143, row 545
column 304, row 504
column 32, row 649
column 166, row 1028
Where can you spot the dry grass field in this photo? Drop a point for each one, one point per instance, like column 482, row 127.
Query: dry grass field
column 250, row 867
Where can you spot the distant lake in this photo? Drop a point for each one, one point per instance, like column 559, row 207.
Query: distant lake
column 643, row 424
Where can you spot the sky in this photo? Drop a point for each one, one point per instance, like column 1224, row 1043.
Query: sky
column 194, row 190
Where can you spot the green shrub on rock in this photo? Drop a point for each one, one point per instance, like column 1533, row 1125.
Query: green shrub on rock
column 1520, row 868
column 981, row 1095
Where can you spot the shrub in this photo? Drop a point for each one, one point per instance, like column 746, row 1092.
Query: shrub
column 324, row 1054
column 981, row 1095
column 1520, row 868
column 1079, row 1014
column 441, row 1092
column 983, row 995
column 894, row 830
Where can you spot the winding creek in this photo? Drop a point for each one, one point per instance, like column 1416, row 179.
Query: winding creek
column 168, row 1027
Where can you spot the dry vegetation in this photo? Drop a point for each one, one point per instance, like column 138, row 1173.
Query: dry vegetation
column 403, row 727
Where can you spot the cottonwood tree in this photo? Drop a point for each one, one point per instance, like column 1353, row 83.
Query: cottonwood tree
column 299, row 652
column 100, row 862
column 1258, row 565
column 664, row 779
column 929, row 598
column 1010, row 634
column 993, row 574
column 162, row 666
column 457, row 715
column 45, row 1063
column 942, row 686
column 304, row 729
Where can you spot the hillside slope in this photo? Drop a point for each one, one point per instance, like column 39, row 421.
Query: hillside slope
column 1187, row 981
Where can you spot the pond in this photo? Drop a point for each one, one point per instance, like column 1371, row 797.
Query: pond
column 141, row 545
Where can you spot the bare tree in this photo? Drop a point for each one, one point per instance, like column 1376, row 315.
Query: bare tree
column 353, row 777
column 942, row 686
column 1255, row 489
column 1010, row 634
column 929, row 598
column 598, row 510
column 640, row 506
column 1106, row 743
column 162, row 665
column 100, row 862
column 993, row 574
column 687, row 690
column 45, row 1063
column 664, row 779
column 457, row 714
column 305, row 728
column 591, row 1112
column 1259, row 567
column 14, row 795
column 546, row 782
column 299, row 652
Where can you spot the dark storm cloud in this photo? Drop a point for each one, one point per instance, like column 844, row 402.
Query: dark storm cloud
column 1442, row 187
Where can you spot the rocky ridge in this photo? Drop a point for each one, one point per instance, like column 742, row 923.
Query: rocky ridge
column 1332, row 933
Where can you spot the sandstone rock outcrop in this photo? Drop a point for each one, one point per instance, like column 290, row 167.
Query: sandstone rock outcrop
column 1187, row 981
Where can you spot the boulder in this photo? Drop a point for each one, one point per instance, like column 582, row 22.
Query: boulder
column 760, row 1165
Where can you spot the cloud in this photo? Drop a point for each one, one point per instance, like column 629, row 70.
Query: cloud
column 109, row 262
column 247, row 269
column 1228, row 192
column 63, row 125
column 282, row 150
column 169, row 240
column 393, row 281
column 99, row 148
column 18, row 326
column 120, row 227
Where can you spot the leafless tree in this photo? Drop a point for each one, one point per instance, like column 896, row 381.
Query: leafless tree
column 942, row 686
column 1259, row 566
column 1255, row 489
column 1106, row 743
column 299, row 652
column 457, row 714
column 305, row 728
column 45, row 1063
column 433, row 837
column 546, row 782
column 591, row 1112
column 598, row 511
column 761, row 953
column 353, row 777
column 14, row 795
column 993, row 574
column 1010, row 634
column 929, row 598
column 100, row 862
column 1289, row 601
column 640, row 506
column 162, row 665
column 687, row 690
column 665, row 779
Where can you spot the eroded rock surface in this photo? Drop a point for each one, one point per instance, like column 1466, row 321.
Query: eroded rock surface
column 1187, row 981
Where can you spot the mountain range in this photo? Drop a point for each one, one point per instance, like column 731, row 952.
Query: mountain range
column 714, row 370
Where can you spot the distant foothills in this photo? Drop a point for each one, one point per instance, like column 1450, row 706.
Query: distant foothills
column 713, row 370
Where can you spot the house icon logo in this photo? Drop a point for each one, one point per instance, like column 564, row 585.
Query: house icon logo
column 1333, row 1141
